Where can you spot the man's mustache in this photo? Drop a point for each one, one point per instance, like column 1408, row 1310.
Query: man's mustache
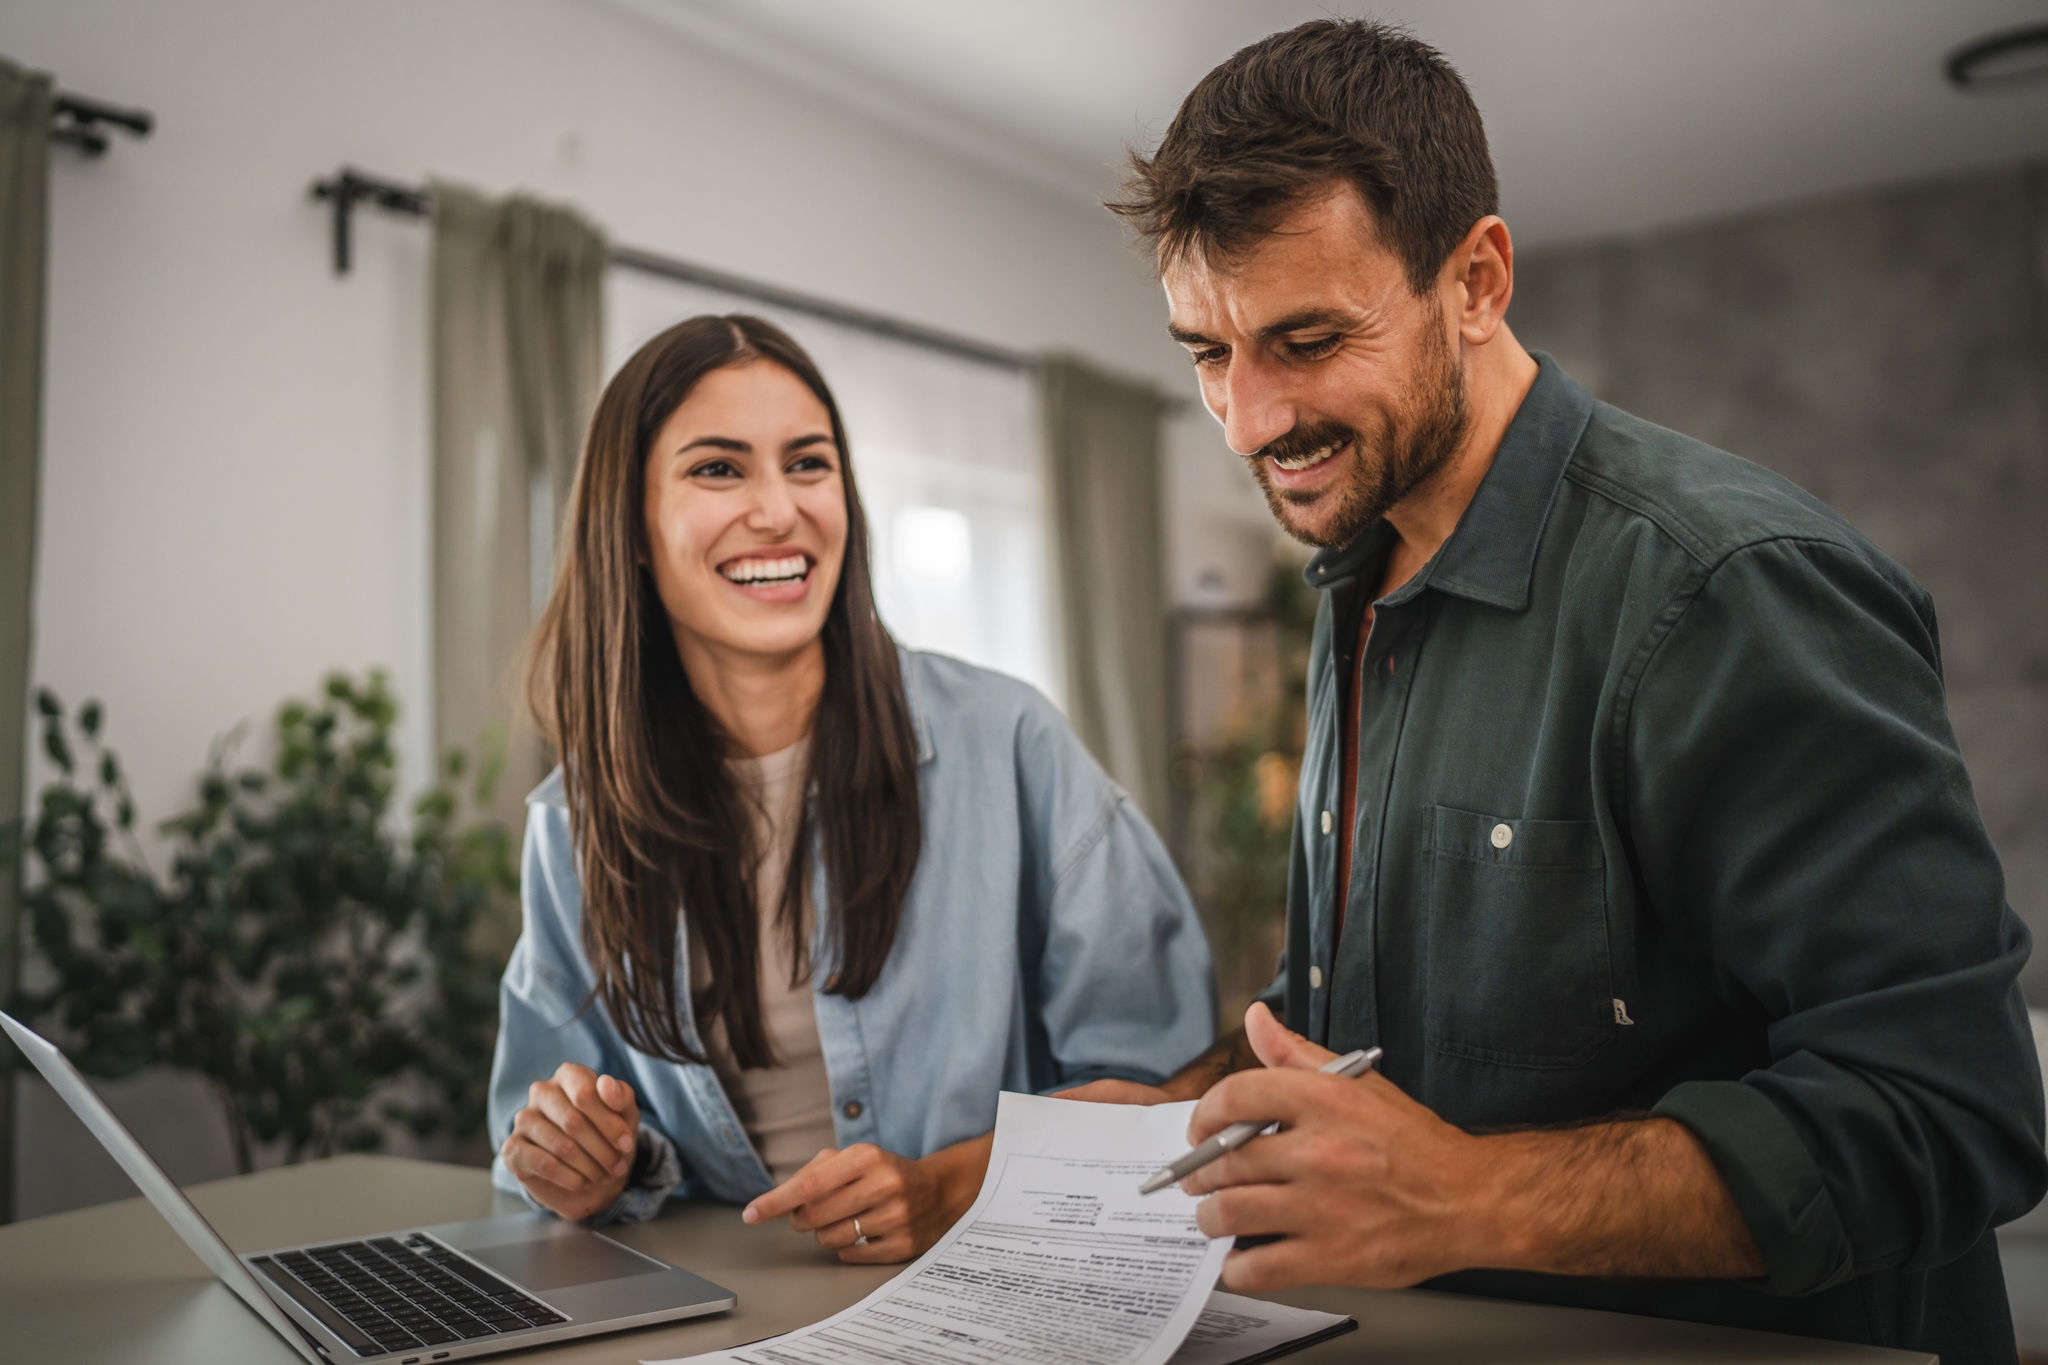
column 1305, row 441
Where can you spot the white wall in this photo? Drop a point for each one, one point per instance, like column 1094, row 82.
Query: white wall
column 235, row 470
column 235, row 445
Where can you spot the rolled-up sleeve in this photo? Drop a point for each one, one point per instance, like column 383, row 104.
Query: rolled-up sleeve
column 1804, row 823
column 1124, row 986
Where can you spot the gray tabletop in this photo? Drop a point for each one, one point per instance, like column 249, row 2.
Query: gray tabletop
column 113, row 1283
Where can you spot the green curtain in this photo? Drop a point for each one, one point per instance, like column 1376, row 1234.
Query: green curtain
column 517, row 350
column 1102, row 444
column 24, row 235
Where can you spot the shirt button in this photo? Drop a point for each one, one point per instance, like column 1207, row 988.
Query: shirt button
column 852, row 1109
column 1502, row 836
column 1315, row 978
column 1327, row 822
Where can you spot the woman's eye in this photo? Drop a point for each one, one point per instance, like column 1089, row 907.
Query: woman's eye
column 715, row 469
column 810, row 464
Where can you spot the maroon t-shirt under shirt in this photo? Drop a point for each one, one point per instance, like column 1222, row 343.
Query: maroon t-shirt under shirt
column 1347, row 791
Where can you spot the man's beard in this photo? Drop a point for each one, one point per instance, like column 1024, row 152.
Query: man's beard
column 1390, row 466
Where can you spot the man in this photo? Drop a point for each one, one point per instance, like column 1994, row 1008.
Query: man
column 1631, row 824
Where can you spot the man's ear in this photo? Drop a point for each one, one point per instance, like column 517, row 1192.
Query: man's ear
column 1481, row 273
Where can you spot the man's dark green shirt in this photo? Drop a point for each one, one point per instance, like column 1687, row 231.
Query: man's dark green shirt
column 1659, row 809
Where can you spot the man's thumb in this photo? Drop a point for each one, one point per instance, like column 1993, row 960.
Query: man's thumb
column 1279, row 1046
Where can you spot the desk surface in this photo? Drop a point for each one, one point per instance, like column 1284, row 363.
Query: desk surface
column 114, row 1283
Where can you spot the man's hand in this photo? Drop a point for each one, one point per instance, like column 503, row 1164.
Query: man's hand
column 1368, row 1187
column 572, row 1145
column 1365, row 1184
column 904, row 1206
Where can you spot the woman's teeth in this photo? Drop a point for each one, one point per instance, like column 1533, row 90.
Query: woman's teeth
column 1295, row 464
column 783, row 570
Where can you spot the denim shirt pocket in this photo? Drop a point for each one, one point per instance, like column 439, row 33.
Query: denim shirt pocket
column 1518, row 970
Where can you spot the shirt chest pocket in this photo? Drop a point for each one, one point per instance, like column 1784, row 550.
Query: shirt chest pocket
column 1517, row 966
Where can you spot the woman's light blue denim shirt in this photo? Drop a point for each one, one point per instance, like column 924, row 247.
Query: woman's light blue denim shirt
column 1045, row 941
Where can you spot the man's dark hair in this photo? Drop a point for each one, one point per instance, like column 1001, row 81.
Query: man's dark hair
column 1335, row 100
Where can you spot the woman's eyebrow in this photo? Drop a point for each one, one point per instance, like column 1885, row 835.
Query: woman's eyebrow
column 801, row 442
column 717, row 443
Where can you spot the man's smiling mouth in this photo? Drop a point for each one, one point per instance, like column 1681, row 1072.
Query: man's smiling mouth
column 760, row 571
column 1294, row 464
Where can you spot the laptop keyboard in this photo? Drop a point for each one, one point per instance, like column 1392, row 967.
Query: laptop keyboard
column 393, row 1294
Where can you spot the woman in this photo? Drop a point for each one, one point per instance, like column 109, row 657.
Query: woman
column 798, row 903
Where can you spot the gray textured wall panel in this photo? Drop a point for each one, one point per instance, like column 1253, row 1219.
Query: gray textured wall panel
column 1889, row 352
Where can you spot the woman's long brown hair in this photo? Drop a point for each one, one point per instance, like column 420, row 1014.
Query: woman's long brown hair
column 661, row 831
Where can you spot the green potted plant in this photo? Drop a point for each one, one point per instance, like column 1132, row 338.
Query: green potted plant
column 327, row 973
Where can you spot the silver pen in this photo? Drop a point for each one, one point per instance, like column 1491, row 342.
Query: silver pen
column 1238, row 1134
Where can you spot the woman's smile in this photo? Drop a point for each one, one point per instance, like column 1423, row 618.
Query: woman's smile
column 784, row 576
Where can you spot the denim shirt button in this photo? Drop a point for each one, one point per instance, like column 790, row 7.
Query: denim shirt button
column 852, row 1109
column 1315, row 978
column 1328, row 821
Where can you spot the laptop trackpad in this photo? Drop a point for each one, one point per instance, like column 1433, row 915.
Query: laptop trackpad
column 557, row 1262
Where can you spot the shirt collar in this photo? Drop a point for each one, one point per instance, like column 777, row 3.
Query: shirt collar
column 1492, row 552
column 913, row 693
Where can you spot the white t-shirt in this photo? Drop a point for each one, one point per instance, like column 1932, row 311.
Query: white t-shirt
column 786, row 1108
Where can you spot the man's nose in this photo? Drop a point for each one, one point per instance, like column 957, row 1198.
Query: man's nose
column 1257, row 410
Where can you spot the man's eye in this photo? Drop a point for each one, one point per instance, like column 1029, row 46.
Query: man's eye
column 1210, row 355
column 1314, row 350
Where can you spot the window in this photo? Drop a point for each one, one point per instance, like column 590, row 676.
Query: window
column 951, row 472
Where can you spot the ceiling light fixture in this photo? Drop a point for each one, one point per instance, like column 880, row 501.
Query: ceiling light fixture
column 1999, row 59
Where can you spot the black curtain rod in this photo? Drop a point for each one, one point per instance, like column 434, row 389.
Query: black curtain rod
column 348, row 187
column 77, row 121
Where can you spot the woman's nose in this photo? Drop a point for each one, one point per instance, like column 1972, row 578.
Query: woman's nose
column 773, row 510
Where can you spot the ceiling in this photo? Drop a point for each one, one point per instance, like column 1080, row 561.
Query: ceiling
column 1605, row 116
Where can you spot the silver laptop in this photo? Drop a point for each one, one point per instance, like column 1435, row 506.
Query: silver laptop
column 452, row 1291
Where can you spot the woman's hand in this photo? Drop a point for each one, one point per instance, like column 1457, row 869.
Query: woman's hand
column 1116, row 1092
column 904, row 1206
column 572, row 1145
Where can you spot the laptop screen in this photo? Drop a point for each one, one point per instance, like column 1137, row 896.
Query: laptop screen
column 149, row 1177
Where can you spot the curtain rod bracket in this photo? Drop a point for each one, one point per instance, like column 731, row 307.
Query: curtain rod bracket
column 76, row 121
column 348, row 187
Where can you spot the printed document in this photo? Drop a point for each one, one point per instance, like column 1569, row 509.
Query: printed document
column 1060, row 1261
column 1234, row 1330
